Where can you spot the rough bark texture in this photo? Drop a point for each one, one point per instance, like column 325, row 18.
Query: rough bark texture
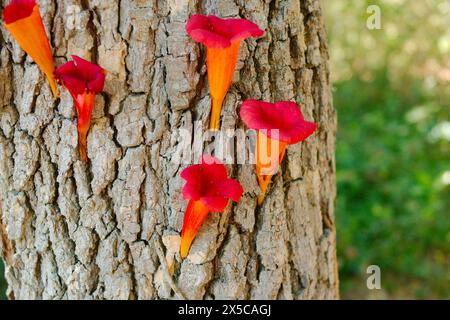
column 109, row 229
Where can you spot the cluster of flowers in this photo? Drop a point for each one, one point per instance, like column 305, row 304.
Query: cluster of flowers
column 207, row 187
column 84, row 80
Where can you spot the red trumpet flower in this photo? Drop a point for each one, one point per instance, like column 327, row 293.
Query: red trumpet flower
column 83, row 80
column 23, row 20
column 278, row 125
column 208, row 190
column 222, row 37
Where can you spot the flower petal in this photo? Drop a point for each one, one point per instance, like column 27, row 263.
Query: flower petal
column 192, row 190
column 191, row 172
column 235, row 29
column 301, row 131
column 209, row 183
column 72, row 83
column 197, row 22
column 213, row 169
column 209, row 38
column 196, row 214
column 18, row 9
column 215, row 204
column 84, row 104
column 283, row 120
column 97, row 84
column 85, row 69
column 66, row 68
column 230, row 189
column 215, row 32
column 80, row 75
column 92, row 74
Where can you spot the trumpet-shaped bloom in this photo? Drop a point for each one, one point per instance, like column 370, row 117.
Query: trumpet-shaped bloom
column 84, row 80
column 278, row 124
column 208, row 189
column 222, row 37
column 23, row 20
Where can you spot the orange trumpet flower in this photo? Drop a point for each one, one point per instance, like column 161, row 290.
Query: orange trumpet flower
column 208, row 190
column 278, row 125
column 222, row 37
column 23, row 20
column 84, row 80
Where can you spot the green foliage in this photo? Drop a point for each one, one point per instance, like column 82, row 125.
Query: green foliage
column 392, row 202
column 2, row 282
column 393, row 165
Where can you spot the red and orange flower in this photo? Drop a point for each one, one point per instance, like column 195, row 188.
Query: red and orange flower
column 222, row 37
column 23, row 20
column 278, row 124
column 208, row 189
column 84, row 80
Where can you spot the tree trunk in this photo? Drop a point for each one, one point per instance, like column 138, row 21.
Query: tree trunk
column 109, row 229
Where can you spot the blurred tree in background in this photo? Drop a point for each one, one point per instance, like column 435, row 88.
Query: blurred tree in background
column 392, row 93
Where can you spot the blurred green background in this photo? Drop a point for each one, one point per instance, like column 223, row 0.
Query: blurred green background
column 2, row 282
column 392, row 91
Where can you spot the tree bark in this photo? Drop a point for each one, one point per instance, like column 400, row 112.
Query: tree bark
column 109, row 229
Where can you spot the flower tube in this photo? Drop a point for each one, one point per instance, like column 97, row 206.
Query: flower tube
column 222, row 38
column 208, row 190
column 84, row 80
column 23, row 20
column 278, row 125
